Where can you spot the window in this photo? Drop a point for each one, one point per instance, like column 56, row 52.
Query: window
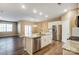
column 9, row 27
column 28, row 30
column 1, row 30
column 5, row 27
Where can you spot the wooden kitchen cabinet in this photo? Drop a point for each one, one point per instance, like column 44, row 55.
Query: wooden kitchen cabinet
column 46, row 39
column 43, row 41
column 32, row 44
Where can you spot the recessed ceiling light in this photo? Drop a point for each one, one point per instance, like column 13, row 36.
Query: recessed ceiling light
column 65, row 10
column 40, row 13
column 34, row 11
column 46, row 16
column 23, row 6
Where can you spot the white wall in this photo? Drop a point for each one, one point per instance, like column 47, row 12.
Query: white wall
column 65, row 31
column 66, row 27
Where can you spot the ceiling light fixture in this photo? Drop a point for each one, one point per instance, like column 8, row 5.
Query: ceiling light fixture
column 34, row 11
column 23, row 6
column 40, row 13
column 65, row 10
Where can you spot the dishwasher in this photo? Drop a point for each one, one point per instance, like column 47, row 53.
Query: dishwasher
column 36, row 44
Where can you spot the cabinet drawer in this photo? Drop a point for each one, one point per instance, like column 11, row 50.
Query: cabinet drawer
column 45, row 40
column 43, row 44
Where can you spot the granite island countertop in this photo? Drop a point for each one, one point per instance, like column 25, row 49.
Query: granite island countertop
column 74, row 38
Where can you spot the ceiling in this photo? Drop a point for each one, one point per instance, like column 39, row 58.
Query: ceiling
column 15, row 12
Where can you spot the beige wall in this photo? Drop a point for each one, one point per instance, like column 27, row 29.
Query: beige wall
column 73, row 20
column 21, row 27
column 13, row 33
column 41, row 26
column 71, row 15
column 68, row 23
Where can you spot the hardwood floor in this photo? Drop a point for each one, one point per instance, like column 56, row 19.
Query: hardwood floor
column 14, row 46
column 11, row 46
column 53, row 49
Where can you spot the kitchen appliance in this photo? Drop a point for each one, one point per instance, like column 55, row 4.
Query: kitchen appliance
column 36, row 44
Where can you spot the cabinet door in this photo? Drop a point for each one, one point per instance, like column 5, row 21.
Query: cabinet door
column 50, row 25
column 48, row 40
column 43, row 41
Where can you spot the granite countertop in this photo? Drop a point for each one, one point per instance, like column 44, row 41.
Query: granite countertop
column 34, row 36
column 74, row 38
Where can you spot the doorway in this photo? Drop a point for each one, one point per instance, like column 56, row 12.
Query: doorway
column 60, row 32
column 57, row 32
column 54, row 31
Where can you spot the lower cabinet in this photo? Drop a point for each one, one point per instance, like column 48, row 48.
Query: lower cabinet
column 72, row 46
column 45, row 40
column 28, row 45
column 32, row 45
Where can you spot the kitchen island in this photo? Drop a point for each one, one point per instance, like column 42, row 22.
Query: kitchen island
column 36, row 42
column 72, row 44
column 32, row 44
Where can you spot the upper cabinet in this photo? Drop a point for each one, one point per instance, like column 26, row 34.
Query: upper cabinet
column 44, row 26
column 49, row 25
column 40, row 27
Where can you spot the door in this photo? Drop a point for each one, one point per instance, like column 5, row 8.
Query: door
column 54, row 31
column 60, row 32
